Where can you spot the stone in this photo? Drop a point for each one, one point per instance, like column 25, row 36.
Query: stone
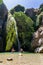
column 9, row 59
column 21, row 50
column 12, row 50
column 41, row 33
column 39, row 49
column 1, row 61
column 40, row 41
column 35, row 34
column 40, row 29
column 20, row 54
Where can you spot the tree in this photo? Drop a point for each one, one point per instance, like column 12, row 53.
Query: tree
column 17, row 9
column 41, row 8
column 25, row 29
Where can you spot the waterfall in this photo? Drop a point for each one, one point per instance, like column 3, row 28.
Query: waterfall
column 17, row 37
column 42, row 19
column 12, row 18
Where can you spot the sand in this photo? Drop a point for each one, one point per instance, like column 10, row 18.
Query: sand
column 24, row 59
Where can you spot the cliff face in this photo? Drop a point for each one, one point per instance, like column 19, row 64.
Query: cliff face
column 6, row 20
column 30, row 12
column 3, row 11
column 37, row 43
column 26, row 23
column 3, row 17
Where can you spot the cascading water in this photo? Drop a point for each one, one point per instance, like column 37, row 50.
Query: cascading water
column 16, row 34
column 42, row 19
column 17, row 37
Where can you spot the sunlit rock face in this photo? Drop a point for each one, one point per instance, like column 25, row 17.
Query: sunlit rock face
column 3, row 18
column 37, row 43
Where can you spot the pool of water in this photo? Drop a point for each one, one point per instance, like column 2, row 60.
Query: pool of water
column 24, row 59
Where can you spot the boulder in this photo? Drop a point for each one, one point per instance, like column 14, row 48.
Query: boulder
column 39, row 49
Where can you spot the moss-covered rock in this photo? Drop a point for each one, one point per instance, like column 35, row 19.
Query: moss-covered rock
column 1, row 1
column 39, row 19
column 10, row 32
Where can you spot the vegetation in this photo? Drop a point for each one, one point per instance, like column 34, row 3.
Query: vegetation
column 17, row 9
column 27, row 22
column 10, row 32
column 1, row 1
column 41, row 7
column 25, row 29
column 39, row 19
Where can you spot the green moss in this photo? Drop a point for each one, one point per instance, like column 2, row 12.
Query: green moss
column 1, row 1
column 10, row 32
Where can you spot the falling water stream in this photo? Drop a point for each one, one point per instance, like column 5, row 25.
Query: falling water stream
column 17, row 35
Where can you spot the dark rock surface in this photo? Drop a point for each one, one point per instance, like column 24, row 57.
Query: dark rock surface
column 3, row 18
